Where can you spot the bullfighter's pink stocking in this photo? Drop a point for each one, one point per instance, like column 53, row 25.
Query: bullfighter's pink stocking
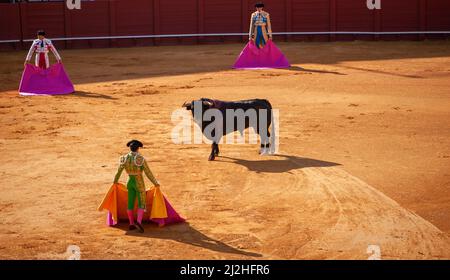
column 131, row 217
column 140, row 215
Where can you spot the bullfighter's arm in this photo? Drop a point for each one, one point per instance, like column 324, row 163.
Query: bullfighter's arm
column 149, row 174
column 30, row 52
column 250, row 32
column 119, row 172
column 54, row 51
column 269, row 27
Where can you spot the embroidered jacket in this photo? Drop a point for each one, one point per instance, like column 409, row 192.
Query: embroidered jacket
column 41, row 48
column 135, row 164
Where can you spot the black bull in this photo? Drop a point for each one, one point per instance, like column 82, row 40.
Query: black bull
column 259, row 125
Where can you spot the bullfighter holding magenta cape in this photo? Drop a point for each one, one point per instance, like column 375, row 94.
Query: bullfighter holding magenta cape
column 41, row 78
column 261, row 52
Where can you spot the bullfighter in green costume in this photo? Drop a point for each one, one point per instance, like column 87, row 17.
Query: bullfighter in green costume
column 135, row 164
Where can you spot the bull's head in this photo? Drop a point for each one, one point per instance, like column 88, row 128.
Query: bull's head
column 198, row 109
column 206, row 104
column 188, row 105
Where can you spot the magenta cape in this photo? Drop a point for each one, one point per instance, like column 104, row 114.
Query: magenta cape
column 53, row 80
column 269, row 56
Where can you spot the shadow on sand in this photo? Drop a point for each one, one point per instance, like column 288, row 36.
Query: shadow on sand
column 186, row 234
column 86, row 94
column 308, row 70
column 286, row 164
column 380, row 72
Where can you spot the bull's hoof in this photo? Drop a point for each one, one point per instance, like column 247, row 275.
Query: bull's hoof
column 211, row 157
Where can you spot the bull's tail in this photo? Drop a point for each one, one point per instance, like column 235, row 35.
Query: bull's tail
column 273, row 144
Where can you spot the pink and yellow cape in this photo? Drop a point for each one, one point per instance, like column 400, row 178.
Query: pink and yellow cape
column 159, row 209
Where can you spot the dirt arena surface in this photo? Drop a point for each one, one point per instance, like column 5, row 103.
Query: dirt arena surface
column 364, row 154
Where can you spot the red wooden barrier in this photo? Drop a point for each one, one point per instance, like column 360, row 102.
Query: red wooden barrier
column 10, row 24
column 146, row 17
column 221, row 17
column 437, row 16
column 136, row 19
column 351, row 16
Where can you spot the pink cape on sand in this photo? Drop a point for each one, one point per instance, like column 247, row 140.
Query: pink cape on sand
column 37, row 81
column 269, row 56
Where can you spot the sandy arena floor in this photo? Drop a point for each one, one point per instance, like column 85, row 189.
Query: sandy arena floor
column 364, row 154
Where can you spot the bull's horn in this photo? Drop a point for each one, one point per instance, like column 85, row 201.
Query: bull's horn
column 185, row 104
column 209, row 103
